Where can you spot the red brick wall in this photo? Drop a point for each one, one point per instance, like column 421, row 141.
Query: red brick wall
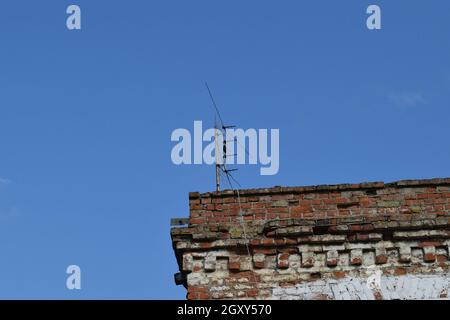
column 427, row 196
column 304, row 238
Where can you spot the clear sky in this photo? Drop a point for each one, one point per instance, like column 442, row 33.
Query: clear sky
column 86, row 116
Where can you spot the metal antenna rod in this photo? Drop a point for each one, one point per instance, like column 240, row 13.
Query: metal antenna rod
column 214, row 104
column 216, row 136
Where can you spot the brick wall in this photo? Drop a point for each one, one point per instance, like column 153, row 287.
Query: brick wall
column 349, row 241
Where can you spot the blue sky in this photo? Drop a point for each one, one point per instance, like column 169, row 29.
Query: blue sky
column 86, row 117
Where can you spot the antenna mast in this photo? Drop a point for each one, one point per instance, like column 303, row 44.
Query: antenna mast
column 216, row 136
column 220, row 166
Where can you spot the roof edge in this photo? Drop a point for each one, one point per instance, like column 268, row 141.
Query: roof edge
column 323, row 188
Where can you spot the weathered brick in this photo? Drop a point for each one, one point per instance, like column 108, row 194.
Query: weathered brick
column 295, row 235
column 307, row 259
column 356, row 256
column 429, row 254
column 332, row 258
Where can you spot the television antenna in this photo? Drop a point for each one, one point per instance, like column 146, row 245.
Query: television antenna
column 220, row 130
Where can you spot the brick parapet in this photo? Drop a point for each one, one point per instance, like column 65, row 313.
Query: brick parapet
column 302, row 234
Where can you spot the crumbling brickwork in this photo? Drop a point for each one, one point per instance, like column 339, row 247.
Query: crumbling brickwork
column 349, row 241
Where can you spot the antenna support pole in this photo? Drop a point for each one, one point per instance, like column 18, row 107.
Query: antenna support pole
column 217, row 161
column 217, row 178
